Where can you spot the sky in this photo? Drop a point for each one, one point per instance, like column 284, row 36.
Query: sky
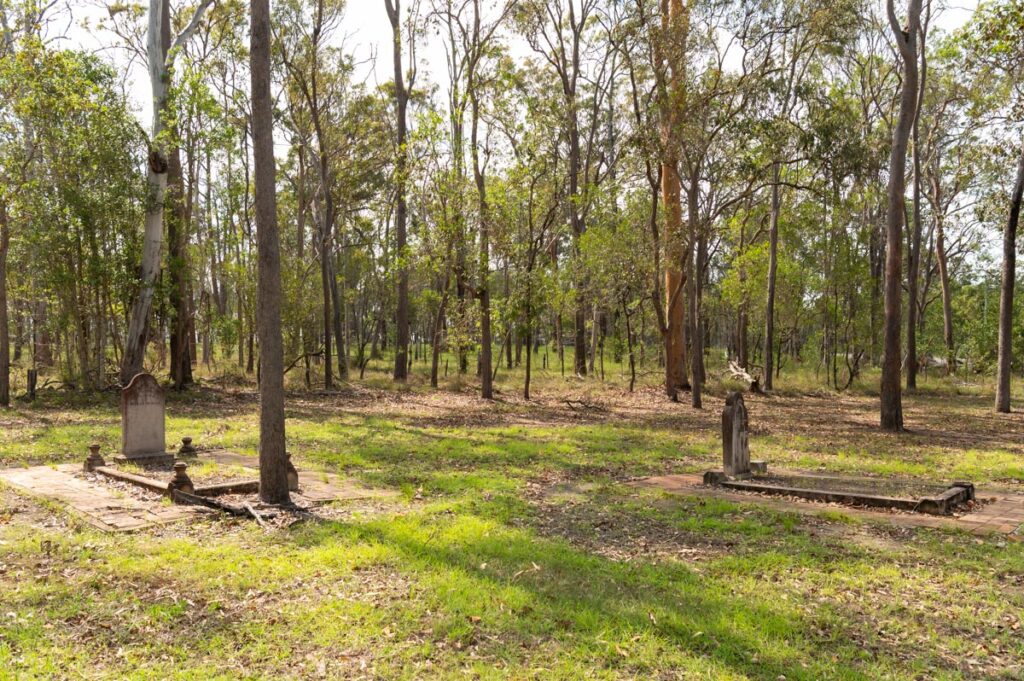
column 365, row 30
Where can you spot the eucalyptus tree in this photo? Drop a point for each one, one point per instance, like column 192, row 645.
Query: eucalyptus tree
column 450, row 18
column 558, row 32
column 196, row 128
column 528, row 203
column 472, row 47
column 7, row 127
column 316, row 78
column 716, row 168
column 671, row 45
column 914, row 240
column 869, row 76
column 796, row 35
column 68, row 153
column 161, row 51
column 906, row 39
column 273, row 458
column 642, row 37
column 995, row 48
column 952, row 121
column 405, row 80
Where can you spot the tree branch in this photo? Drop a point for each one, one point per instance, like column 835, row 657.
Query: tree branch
column 186, row 32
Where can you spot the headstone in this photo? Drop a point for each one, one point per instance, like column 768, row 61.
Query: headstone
column 142, row 419
column 735, row 447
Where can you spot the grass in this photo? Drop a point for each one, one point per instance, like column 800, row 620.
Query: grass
column 517, row 550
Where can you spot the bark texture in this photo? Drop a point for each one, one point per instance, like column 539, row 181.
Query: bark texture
column 5, row 349
column 394, row 9
column 273, row 459
column 891, row 389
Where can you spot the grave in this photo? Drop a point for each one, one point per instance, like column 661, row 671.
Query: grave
column 144, row 446
column 142, row 423
column 735, row 443
column 144, row 461
column 124, row 504
column 740, row 473
column 736, row 463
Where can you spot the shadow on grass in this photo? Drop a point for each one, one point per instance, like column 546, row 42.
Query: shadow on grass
column 660, row 618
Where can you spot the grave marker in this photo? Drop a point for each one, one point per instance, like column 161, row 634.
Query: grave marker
column 735, row 445
column 142, row 419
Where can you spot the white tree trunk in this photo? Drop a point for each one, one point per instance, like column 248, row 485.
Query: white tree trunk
column 159, row 61
column 156, row 180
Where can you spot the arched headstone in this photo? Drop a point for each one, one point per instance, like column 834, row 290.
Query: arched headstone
column 142, row 419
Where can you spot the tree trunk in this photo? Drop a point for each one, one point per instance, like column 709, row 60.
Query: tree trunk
column 529, row 357
column 947, row 296
column 876, row 265
column 675, row 282
column 891, row 389
column 1005, row 358
column 629, row 346
column 325, row 289
column 273, row 458
column 337, row 323
column 157, row 55
column 742, row 316
column 5, row 349
column 773, row 265
column 42, row 352
column 401, row 372
column 177, row 238
column 435, row 358
column 578, row 227
column 135, row 341
column 914, row 261
column 483, row 287
column 157, row 40
column 19, row 331
column 671, row 56
column 697, row 247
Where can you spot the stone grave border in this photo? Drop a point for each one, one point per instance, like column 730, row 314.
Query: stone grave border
column 740, row 473
column 941, row 504
column 181, row 483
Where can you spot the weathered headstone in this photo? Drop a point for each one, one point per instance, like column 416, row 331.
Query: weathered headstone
column 735, row 447
column 142, row 419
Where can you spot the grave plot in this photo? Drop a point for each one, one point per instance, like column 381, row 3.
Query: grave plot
column 144, row 461
column 740, row 473
column 129, row 492
column 930, row 498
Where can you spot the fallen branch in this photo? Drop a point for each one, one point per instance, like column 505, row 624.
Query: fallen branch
column 259, row 519
column 294, row 363
column 180, row 497
column 740, row 374
column 580, row 404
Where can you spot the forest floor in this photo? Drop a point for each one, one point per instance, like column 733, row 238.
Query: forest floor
column 517, row 547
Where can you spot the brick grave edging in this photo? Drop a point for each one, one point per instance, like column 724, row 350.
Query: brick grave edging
column 1004, row 516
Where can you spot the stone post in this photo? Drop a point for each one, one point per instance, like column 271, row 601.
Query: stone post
column 735, row 446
